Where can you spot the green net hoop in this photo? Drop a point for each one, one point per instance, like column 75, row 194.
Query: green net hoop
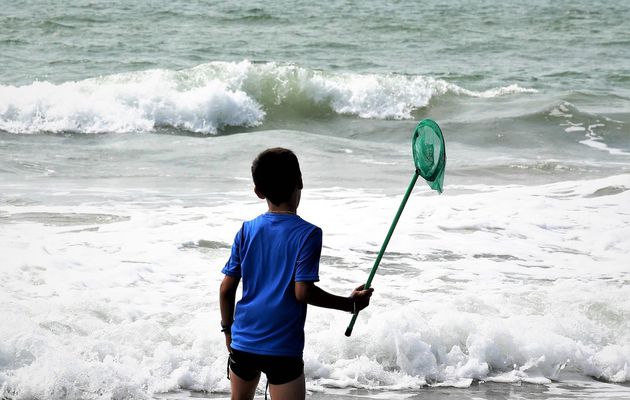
column 429, row 153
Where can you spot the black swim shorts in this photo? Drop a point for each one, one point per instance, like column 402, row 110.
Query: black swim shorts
column 278, row 369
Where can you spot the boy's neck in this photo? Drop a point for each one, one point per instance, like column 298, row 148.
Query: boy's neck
column 287, row 207
column 283, row 208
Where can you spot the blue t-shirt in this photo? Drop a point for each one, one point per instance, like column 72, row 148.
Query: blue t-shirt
column 270, row 253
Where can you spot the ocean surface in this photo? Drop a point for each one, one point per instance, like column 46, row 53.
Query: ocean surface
column 126, row 134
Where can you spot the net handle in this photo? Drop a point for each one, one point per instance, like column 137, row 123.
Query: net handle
column 385, row 243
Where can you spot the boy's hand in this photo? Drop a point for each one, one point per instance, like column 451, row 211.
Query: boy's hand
column 361, row 297
column 228, row 342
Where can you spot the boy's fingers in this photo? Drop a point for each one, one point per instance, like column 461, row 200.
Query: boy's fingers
column 362, row 296
column 366, row 294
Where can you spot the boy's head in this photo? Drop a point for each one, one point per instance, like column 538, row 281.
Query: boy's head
column 276, row 174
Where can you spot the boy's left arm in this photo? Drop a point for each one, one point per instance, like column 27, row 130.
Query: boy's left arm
column 227, row 301
column 308, row 292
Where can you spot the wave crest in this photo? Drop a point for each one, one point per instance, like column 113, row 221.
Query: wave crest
column 212, row 96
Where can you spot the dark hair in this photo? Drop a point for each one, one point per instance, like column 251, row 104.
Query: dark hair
column 277, row 174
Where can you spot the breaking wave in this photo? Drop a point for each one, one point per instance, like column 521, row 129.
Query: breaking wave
column 216, row 95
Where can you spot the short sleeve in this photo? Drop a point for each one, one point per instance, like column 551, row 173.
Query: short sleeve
column 307, row 268
column 233, row 265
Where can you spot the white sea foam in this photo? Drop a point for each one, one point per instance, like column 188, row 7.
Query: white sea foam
column 577, row 122
column 125, row 103
column 596, row 141
column 593, row 139
column 503, row 284
column 495, row 92
column 212, row 96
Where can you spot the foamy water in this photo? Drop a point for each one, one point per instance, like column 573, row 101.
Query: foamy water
column 502, row 283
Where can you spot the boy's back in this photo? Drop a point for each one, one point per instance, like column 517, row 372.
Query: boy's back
column 270, row 253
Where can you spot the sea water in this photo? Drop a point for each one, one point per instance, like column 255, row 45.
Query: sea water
column 126, row 137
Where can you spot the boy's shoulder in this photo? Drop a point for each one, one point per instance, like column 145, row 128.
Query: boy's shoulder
column 289, row 221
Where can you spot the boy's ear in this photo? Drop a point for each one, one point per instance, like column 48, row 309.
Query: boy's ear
column 259, row 193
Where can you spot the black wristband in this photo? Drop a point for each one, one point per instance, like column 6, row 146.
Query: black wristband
column 227, row 329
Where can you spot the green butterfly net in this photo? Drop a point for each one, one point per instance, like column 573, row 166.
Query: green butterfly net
column 429, row 153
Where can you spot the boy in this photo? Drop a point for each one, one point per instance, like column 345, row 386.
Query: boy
column 277, row 256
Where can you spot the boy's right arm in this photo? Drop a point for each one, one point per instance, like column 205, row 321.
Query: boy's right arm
column 308, row 292
column 227, row 301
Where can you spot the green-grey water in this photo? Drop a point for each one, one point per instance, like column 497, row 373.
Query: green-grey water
column 477, row 44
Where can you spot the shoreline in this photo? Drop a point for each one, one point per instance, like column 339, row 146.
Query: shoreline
column 574, row 387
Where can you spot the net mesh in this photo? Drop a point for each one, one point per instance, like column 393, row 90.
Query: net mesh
column 429, row 153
